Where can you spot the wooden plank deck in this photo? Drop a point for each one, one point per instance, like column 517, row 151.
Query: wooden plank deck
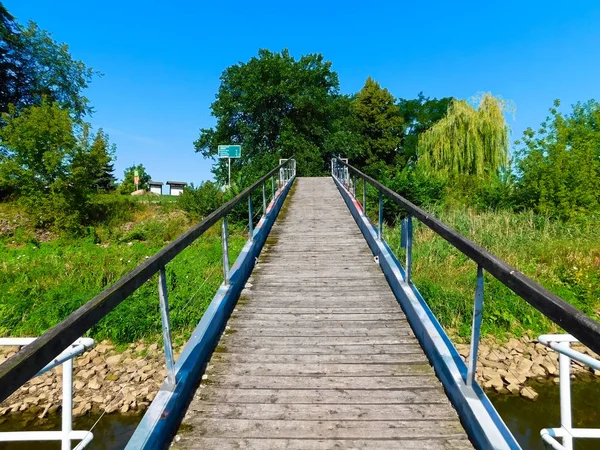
column 318, row 353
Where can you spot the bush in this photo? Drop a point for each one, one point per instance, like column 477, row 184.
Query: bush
column 202, row 200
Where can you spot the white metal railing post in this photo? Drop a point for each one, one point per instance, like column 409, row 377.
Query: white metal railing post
column 163, row 296
column 224, row 240
column 561, row 343
column 250, row 225
column 67, row 404
column 264, row 199
column 364, row 197
column 353, row 179
column 475, row 327
column 380, row 228
column 409, row 239
column 273, row 187
column 564, row 375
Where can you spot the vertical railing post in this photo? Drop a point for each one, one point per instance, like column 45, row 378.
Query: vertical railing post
column 564, row 374
column 273, row 187
column 364, row 197
column 409, row 238
column 475, row 328
column 380, row 229
column 250, row 225
column 67, row 404
column 225, row 242
column 264, row 200
column 354, row 187
column 163, row 297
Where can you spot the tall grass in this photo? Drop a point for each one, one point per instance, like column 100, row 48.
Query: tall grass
column 562, row 256
column 41, row 283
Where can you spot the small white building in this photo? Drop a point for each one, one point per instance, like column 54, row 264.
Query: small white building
column 155, row 187
column 176, row 187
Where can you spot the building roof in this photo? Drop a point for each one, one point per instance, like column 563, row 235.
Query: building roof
column 182, row 183
column 156, row 182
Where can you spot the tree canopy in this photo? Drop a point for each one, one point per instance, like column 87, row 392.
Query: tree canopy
column 128, row 185
column 275, row 106
column 468, row 140
column 558, row 167
column 379, row 125
column 33, row 66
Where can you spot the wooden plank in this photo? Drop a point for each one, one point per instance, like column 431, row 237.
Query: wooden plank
column 209, row 443
column 334, row 429
column 253, row 329
column 215, row 394
column 304, row 411
column 260, row 341
column 322, row 382
column 412, row 347
column 386, row 358
column 261, row 369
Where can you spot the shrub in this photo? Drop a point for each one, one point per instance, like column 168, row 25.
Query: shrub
column 202, row 200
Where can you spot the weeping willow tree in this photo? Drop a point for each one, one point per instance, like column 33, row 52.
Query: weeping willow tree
column 470, row 140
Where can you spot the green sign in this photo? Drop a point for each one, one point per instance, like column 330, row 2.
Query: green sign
column 230, row 151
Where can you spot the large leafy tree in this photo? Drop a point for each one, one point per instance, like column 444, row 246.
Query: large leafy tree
column 419, row 114
column 558, row 167
column 275, row 106
column 33, row 66
column 46, row 163
column 379, row 125
column 469, row 140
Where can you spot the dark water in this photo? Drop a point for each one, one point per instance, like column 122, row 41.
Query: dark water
column 111, row 433
column 525, row 418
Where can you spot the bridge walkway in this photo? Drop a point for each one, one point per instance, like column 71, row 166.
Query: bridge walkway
column 318, row 353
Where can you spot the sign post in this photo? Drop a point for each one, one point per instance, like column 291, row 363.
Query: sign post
column 230, row 151
column 136, row 179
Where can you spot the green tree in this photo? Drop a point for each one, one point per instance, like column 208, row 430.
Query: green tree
column 44, row 163
column 379, row 125
column 468, row 140
column 33, row 66
column 274, row 106
column 558, row 167
column 419, row 115
column 128, row 186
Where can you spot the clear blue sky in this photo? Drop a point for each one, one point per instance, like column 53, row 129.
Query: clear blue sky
column 162, row 60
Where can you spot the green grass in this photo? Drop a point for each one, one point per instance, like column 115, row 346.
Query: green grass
column 41, row 283
column 564, row 257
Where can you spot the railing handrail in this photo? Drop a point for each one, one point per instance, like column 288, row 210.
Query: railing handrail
column 569, row 318
column 18, row 369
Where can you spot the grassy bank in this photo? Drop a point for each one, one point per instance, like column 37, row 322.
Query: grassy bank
column 43, row 278
column 562, row 256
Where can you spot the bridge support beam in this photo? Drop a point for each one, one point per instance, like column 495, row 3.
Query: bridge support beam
column 475, row 328
column 163, row 296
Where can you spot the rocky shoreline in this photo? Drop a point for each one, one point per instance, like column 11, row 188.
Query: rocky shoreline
column 108, row 381
column 507, row 368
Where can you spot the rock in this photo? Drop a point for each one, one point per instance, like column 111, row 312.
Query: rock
column 98, row 399
column 538, row 370
column 513, row 389
column 44, row 413
column 138, row 192
column 94, row 384
column 103, row 348
column 113, row 360
column 82, row 409
column 529, row 393
column 494, row 364
column 78, row 384
column 111, row 408
column 495, row 382
column 124, row 408
column 550, row 367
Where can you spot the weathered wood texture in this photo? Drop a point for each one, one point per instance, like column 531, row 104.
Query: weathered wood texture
column 317, row 353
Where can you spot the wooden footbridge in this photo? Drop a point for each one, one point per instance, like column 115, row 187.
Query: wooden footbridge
column 317, row 339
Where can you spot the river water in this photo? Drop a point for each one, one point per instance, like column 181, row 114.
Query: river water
column 524, row 418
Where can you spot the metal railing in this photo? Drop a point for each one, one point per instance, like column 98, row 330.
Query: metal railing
column 66, row 434
column 562, row 344
column 18, row 369
column 555, row 308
